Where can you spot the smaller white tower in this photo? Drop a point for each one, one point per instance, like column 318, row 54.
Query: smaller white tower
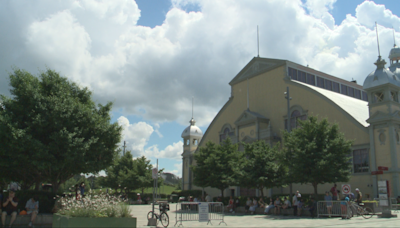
column 191, row 139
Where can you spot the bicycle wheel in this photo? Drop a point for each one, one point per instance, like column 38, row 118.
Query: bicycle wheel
column 164, row 219
column 150, row 215
column 367, row 213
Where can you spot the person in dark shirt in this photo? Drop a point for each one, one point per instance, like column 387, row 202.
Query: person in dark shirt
column 313, row 207
column 9, row 204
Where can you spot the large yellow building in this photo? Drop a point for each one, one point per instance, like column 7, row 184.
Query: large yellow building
column 257, row 110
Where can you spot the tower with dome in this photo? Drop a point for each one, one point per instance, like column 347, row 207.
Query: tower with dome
column 191, row 138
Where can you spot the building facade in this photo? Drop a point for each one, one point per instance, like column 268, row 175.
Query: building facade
column 257, row 110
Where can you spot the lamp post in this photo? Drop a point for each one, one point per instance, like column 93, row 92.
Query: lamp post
column 288, row 98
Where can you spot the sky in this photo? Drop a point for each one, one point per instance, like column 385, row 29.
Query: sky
column 151, row 57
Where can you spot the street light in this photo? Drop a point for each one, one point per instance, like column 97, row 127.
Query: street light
column 288, row 98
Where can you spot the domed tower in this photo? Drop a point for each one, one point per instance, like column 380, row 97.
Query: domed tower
column 394, row 57
column 191, row 139
column 383, row 87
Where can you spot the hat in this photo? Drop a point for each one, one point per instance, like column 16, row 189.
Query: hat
column 357, row 189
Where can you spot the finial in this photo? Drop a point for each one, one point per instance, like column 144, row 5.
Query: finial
column 394, row 38
column 258, row 44
column 192, row 107
column 377, row 39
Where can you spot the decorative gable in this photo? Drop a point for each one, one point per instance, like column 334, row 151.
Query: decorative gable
column 255, row 67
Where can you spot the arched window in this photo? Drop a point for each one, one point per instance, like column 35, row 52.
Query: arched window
column 294, row 117
column 225, row 134
column 195, row 142
column 187, row 142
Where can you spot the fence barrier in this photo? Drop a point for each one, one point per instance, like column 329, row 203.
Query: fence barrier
column 394, row 205
column 189, row 211
column 332, row 208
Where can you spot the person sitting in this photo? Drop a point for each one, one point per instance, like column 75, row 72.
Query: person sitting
column 312, row 207
column 248, row 203
column 286, row 203
column 32, row 207
column 261, row 203
column 270, row 206
column 253, row 206
column 237, row 204
column 278, row 206
column 10, row 208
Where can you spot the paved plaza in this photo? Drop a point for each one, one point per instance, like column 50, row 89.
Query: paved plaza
column 240, row 220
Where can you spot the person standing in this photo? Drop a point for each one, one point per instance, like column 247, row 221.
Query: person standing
column 359, row 196
column 328, row 199
column 32, row 207
column 334, row 192
column 82, row 188
column 295, row 203
column 208, row 198
column 10, row 208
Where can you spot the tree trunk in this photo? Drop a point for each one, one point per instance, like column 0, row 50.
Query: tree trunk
column 315, row 185
column 55, row 186
column 222, row 193
column 37, row 185
column 262, row 191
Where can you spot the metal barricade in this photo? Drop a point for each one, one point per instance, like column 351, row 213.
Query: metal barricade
column 189, row 211
column 333, row 208
column 393, row 205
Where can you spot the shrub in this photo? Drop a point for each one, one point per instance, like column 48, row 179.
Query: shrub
column 46, row 199
column 101, row 205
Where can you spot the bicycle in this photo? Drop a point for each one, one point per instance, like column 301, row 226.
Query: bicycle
column 162, row 216
column 365, row 212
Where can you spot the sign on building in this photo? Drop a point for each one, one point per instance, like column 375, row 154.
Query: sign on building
column 346, row 188
column 203, row 212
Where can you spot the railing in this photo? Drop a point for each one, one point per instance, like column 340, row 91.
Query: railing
column 189, row 211
column 333, row 208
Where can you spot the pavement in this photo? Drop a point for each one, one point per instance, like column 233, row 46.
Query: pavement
column 241, row 220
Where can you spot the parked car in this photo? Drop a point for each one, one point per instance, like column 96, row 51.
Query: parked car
column 173, row 198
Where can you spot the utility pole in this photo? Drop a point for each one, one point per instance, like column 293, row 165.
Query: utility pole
column 124, row 147
column 288, row 98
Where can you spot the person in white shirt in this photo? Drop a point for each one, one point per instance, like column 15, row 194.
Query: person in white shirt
column 208, row 198
column 286, row 203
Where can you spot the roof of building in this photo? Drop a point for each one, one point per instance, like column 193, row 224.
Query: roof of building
column 192, row 130
column 394, row 53
column 380, row 76
column 356, row 108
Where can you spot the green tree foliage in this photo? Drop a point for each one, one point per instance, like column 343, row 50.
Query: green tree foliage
column 51, row 130
column 130, row 174
column 214, row 165
column 259, row 166
column 317, row 153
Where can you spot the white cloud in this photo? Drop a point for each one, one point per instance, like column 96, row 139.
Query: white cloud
column 136, row 135
column 173, row 151
column 154, row 72
column 177, row 171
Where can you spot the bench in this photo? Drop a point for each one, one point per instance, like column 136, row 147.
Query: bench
column 42, row 220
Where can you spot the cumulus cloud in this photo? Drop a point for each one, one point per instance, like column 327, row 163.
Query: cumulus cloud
column 136, row 135
column 154, row 72
column 173, row 151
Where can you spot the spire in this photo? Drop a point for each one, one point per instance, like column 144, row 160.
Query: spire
column 377, row 39
column 258, row 44
column 192, row 121
column 380, row 63
column 394, row 38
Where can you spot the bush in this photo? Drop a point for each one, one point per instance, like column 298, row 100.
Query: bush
column 46, row 199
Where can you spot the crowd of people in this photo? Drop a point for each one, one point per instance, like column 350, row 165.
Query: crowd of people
column 9, row 206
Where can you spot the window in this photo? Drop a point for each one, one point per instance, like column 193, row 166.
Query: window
column 328, row 85
column 227, row 133
column 187, row 142
column 378, row 97
column 320, row 82
column 351, row 92
column 294, row 117
column 344, row 89
column 361, row 161
column 364, row 96
column 335, row 87
column 302, row 76
column 357, row 93
column 310, row 79
column 293, row 73
column 394, row 96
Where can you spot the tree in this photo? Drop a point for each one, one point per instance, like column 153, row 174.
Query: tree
column 214, row 165
column 259, row 167
column 51, row 130
column 317, row 153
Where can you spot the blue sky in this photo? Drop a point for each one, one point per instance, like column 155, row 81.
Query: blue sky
column 150, row 57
